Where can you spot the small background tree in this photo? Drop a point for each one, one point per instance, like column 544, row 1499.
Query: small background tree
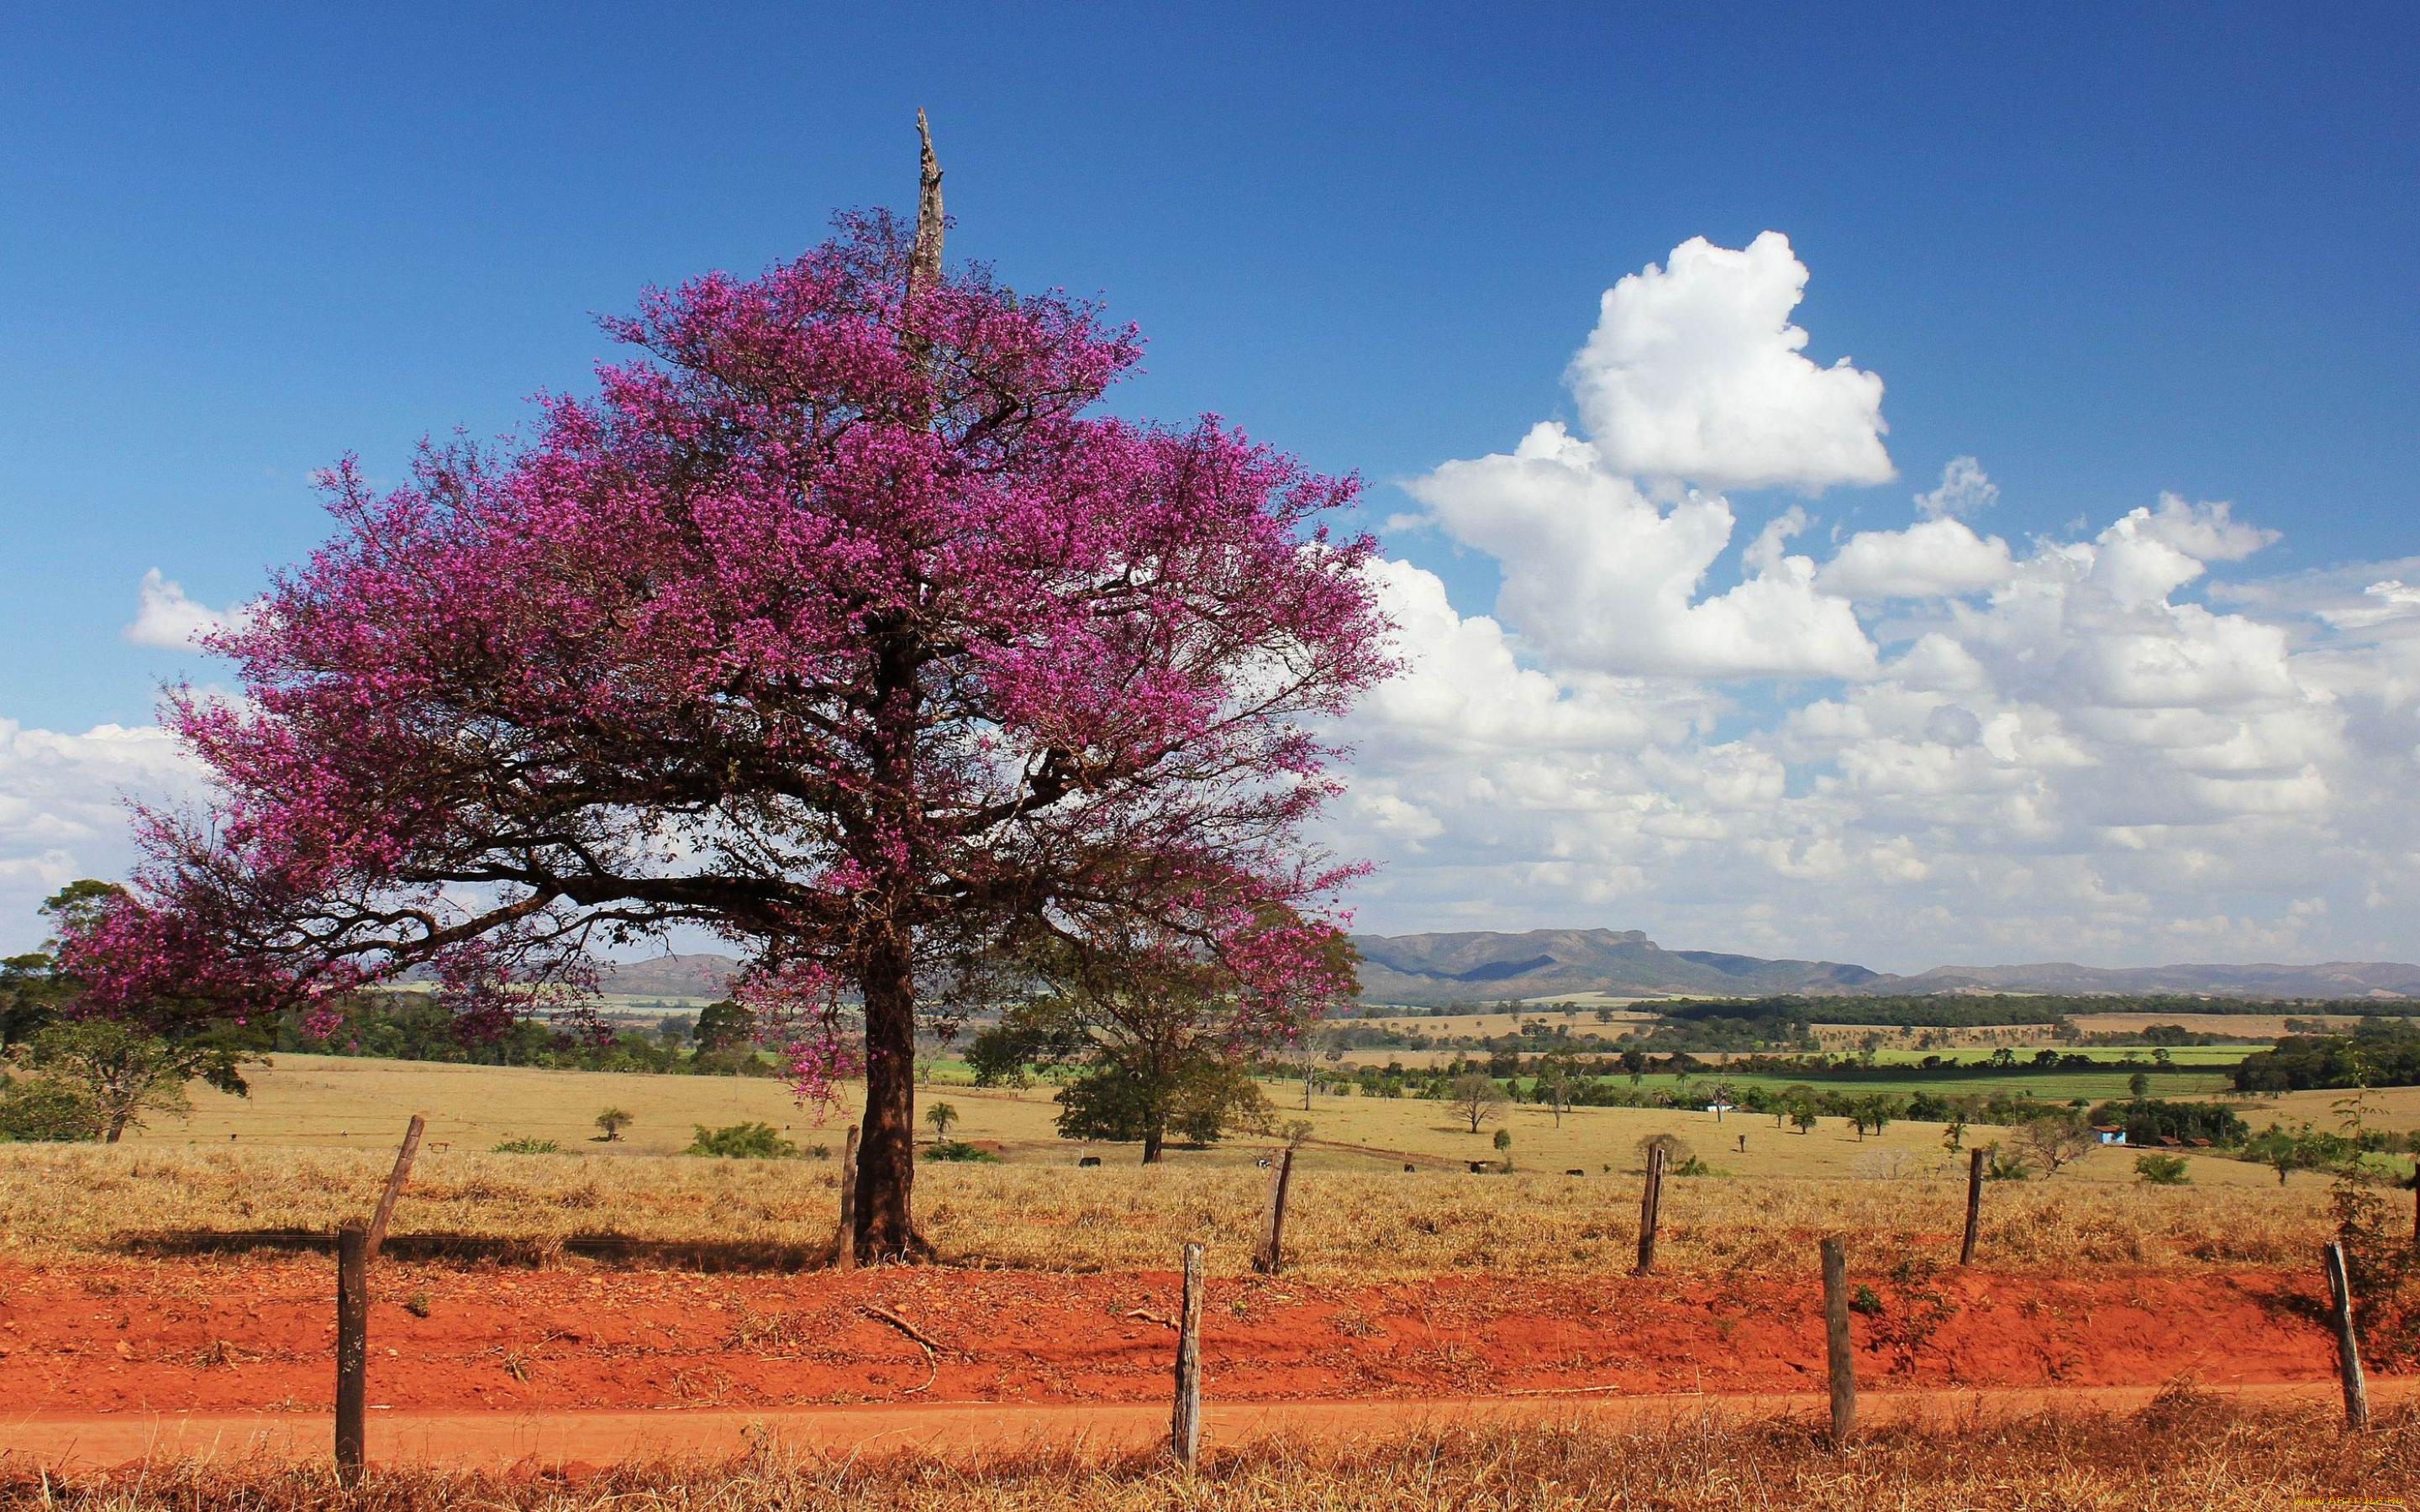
column 1477, row 1098
column 2053, row 1139
column 1677, row 1152
column 611, row 1124
column 124, row 1077
column 940, row 1116
column 1159, row 1032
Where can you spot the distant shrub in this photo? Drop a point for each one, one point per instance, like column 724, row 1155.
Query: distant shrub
column 42, row 1110
column 1677, row 1152
column 958, row 1149
column 2162, row 1170
column 741, row 1141
column 528, row 1146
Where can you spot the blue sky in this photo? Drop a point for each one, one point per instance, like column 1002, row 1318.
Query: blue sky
column 2109, row 251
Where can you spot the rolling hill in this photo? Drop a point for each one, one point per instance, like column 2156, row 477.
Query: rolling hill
column 1487, row 967
column 703, row 975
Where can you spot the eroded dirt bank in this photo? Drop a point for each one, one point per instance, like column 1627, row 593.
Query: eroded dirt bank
column 254, row 1334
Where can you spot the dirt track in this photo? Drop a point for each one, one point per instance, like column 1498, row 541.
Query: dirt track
column 575, row 1442
column 584, row 1363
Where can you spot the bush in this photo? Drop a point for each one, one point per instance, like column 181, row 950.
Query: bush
column 2163, row 1171
column 958, row 1149
column 42, row 1110
column 528, row 1146
column 2005, row 1165
column 741, row 1141
column 1676, row 1150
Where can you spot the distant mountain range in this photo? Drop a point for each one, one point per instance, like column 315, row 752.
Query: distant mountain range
column 705, row 974
column 1488, row 966
column 1544, row 962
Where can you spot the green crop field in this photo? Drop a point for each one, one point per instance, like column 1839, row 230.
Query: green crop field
column 2044, row 1087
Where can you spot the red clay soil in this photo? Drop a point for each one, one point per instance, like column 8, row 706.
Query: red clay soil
column 254, row 1335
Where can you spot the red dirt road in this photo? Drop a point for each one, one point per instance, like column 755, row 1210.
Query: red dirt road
column 576, row 1441
column 101, row 1351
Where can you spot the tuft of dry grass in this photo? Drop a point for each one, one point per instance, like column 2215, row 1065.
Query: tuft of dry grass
column 59, row 1202
column 2182, row 1451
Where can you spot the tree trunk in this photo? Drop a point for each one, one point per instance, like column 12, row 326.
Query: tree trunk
column 1155, row 1138
column 886, row 1155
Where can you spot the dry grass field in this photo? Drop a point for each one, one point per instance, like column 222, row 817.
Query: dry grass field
column 2182, row 1451
column 2248, row 1025
column 325, row 1102
column 310, row 1147
column 72, row 1203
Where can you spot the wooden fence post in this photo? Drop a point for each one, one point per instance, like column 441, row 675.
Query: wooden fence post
column 2356, row 1390
column 395, row 1180
column 1974, row 1205
column 352, row 1348
column 845, row 1249
column 1185, row 1426
column 1835, row 1341
column 1271, row 1252
column 1650, row 1209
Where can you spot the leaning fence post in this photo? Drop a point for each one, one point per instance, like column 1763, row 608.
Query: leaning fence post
column 1836, row 1340
column 395, row 1180
column 1650, row 1208
column 352, row 1348
column 1974, row 1205
column 844, row 1248
column 1271, row 1252
column 2356, row 1390
column 1185, row 1426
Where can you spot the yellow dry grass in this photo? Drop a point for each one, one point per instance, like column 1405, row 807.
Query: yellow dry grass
column 335, row 1103
column 314, row 1143
column 71, row 1202
column 2182, row 1451
column 2249, row 1025
column 2395, row 1109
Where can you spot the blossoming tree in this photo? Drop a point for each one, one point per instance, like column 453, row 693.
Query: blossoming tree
column 835, row 623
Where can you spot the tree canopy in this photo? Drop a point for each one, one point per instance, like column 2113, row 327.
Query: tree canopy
column 833, row 624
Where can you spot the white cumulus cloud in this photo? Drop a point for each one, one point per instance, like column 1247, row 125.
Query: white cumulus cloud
column 164, row 615
column 1966, row 491
column 62, row 809
column 1696, row 372
column 1933, row 745
column 1928, row 560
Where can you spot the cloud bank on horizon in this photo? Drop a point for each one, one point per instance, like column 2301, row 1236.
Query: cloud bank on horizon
column 1929, row 745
